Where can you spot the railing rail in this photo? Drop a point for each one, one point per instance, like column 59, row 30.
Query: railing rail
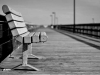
column 86, row 29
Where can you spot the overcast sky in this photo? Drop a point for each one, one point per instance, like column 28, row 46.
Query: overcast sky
column 39, row 11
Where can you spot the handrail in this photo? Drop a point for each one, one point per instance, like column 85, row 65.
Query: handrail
column 86, row 29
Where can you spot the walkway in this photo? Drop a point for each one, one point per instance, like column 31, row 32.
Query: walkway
column 64, row 55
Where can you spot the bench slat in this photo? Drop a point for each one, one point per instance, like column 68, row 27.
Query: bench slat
column 12, row 17
column 6, row 9
column 28, row 38
column 15, row 24
column 20, row 38
column 35, row 37
column 19, row 31
column 43, row 36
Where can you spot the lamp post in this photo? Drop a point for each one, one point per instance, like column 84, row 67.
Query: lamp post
column 51, row 19
column 74, row 15
column 93, row 20
column 54, row 17
column 56, row 20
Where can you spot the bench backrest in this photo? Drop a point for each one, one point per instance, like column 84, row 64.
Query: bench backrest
column 15, row 21
column 18, row 26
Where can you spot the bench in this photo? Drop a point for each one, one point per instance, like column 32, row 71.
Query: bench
column 20, row 32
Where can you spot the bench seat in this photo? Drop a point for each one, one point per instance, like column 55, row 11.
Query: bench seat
column 36, row 38
column 43, row 36
column 25, row 38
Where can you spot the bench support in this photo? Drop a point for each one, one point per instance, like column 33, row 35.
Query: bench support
column 30, row 55
column 25, row 56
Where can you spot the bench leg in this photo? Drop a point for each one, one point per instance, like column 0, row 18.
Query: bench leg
column 25, row 65
column 30, row 55
column 25, row 56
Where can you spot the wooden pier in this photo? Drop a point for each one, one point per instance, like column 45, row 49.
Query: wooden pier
column 62, row 55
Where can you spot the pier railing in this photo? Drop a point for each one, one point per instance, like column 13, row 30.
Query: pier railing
column 92, row 29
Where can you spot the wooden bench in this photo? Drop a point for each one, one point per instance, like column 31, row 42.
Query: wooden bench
column 21, row 33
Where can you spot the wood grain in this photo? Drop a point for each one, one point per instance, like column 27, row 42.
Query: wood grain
column 63, row 55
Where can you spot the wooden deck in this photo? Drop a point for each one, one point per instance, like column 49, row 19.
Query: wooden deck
column 63, row 55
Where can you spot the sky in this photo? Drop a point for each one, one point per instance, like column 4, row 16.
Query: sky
column 39, row 11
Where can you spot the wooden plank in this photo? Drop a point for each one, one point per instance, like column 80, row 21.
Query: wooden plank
column 66, row 55
column 28, row 39
column 15, row 24
column 6, row 9
column 20, row 38
column 19, row 31
column 35, row 37
column 43, row 36
column 13, row 17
